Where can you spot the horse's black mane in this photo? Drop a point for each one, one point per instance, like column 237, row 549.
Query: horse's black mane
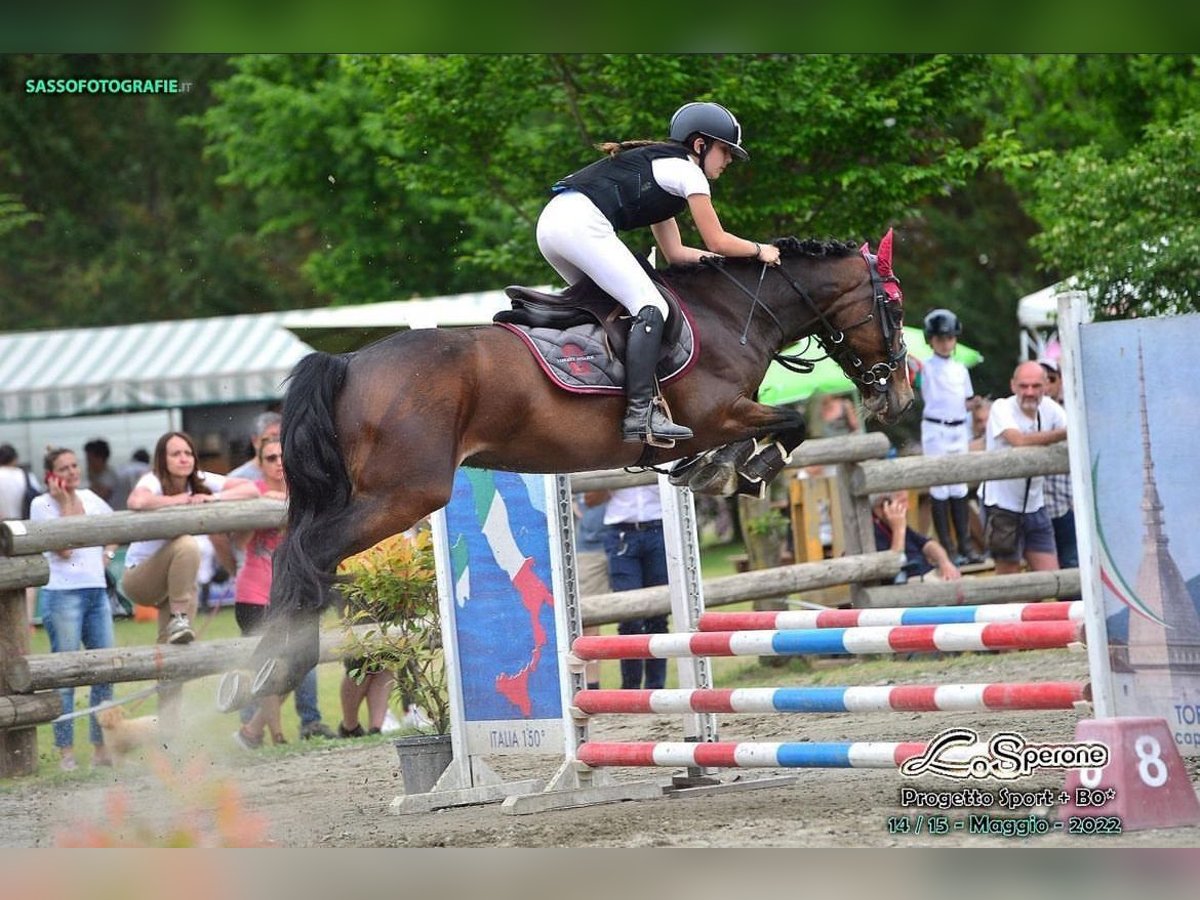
column 811, row 248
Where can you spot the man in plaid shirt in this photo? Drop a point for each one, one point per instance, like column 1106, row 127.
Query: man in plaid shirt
column 1060, row 504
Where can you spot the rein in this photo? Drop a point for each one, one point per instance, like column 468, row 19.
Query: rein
column 831, row 340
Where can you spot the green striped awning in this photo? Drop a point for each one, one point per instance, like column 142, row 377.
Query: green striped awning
column 193, row 362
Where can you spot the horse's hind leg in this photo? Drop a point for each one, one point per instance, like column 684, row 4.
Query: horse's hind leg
column 290, row 645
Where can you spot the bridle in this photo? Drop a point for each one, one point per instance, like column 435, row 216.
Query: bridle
column 888, row 312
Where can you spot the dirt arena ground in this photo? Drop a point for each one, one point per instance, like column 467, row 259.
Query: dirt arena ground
column 337, row 794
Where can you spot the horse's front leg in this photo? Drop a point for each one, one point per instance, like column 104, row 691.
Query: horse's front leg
column 772, row 451
column 766, row 437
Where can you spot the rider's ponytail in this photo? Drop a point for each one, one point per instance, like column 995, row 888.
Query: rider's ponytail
column 612, row 148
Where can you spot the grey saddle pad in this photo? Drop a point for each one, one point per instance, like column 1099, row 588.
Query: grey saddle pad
column 579, row 359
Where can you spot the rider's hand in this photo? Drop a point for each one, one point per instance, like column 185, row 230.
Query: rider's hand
column 769, row 254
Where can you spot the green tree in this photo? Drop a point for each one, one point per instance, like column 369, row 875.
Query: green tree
column 441, row 164
column 130, row 223
column 13, row 214
column 1114, row 190
column 301, row 134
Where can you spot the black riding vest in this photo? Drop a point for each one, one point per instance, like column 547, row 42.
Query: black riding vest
column 623, row 187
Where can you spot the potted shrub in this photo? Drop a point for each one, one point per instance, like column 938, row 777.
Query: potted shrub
column 765, row 531
column 392, row 623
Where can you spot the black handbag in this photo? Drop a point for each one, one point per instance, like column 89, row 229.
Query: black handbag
column 1002, row 530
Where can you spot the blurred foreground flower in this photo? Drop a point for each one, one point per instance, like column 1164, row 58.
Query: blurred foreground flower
column 194, row 811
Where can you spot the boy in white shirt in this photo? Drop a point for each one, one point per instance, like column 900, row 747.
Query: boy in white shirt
column 945, row 386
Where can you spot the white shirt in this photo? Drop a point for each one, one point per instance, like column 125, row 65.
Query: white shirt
column 248, row 470
column 945, row 389
column 12, row 492
column 140, row 551
column 680, row 177
column 633, row 504
column 1006, row 413
column 84, row 568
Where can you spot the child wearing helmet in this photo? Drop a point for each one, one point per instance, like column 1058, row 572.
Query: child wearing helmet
column 946, row 392
column 639, row 184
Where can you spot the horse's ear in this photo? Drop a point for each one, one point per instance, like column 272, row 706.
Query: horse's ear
column 885, row 254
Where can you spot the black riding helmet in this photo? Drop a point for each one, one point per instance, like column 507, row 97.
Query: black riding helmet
column 942, row 322
column 711, row 120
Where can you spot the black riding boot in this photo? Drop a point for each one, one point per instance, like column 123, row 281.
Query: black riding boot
column 941, row 523
column 961, row 514
column 644, row 421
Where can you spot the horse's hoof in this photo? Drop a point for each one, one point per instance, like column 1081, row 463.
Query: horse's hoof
column 714, row 480
column 683, row 471
column 233, row 691
column 766, row 465
column 747, row 488
column 272, row 678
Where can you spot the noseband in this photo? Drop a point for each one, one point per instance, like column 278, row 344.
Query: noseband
column 886, row 311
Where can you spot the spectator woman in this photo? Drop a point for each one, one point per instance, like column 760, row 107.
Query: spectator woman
column 252, row 593
column 77, row 612
column 162, row 573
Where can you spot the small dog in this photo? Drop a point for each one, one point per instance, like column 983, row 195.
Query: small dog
column 122, row 735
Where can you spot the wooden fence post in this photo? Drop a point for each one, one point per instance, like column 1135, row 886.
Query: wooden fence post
column 18, row 746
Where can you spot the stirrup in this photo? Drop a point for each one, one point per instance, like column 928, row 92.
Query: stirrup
column 646, row 434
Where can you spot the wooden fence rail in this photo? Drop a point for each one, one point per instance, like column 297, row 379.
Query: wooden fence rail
column 880, row 475
column 156, row 662
column 602, row 609
column 22, row 538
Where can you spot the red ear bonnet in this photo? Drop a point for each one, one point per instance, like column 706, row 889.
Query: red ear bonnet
column 885, row 254
column 883, row 265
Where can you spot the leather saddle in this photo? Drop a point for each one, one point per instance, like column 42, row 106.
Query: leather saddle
column 584, row 303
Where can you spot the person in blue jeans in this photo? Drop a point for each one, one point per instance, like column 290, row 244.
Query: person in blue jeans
column 637, row 557
column 77, row 612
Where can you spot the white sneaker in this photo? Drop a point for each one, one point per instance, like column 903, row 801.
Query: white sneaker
column 179, row 631
column 415, row 718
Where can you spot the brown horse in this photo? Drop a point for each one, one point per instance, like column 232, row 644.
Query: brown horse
column 371, row 439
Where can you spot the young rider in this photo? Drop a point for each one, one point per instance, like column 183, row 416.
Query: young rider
column 642, row 183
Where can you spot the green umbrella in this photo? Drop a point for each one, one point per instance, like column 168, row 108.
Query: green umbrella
column 784, row 386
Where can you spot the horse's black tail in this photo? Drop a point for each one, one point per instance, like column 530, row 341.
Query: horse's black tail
column 318, row 482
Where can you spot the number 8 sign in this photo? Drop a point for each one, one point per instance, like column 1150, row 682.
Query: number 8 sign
column 1144, row 785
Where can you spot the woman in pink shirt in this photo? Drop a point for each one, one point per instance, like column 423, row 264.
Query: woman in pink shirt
column 252, row 593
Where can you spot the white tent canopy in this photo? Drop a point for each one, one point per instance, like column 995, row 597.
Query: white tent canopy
column 1037, row 314
column 192, row 362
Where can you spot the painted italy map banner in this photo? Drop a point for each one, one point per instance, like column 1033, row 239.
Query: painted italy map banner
column 499, row 629
column 1139, row 502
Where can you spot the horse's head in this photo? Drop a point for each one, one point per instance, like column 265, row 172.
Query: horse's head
column 859, row 314
column 879, row 353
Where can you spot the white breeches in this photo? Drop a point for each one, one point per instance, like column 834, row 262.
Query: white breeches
column 577, row 240
column 944, row 440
